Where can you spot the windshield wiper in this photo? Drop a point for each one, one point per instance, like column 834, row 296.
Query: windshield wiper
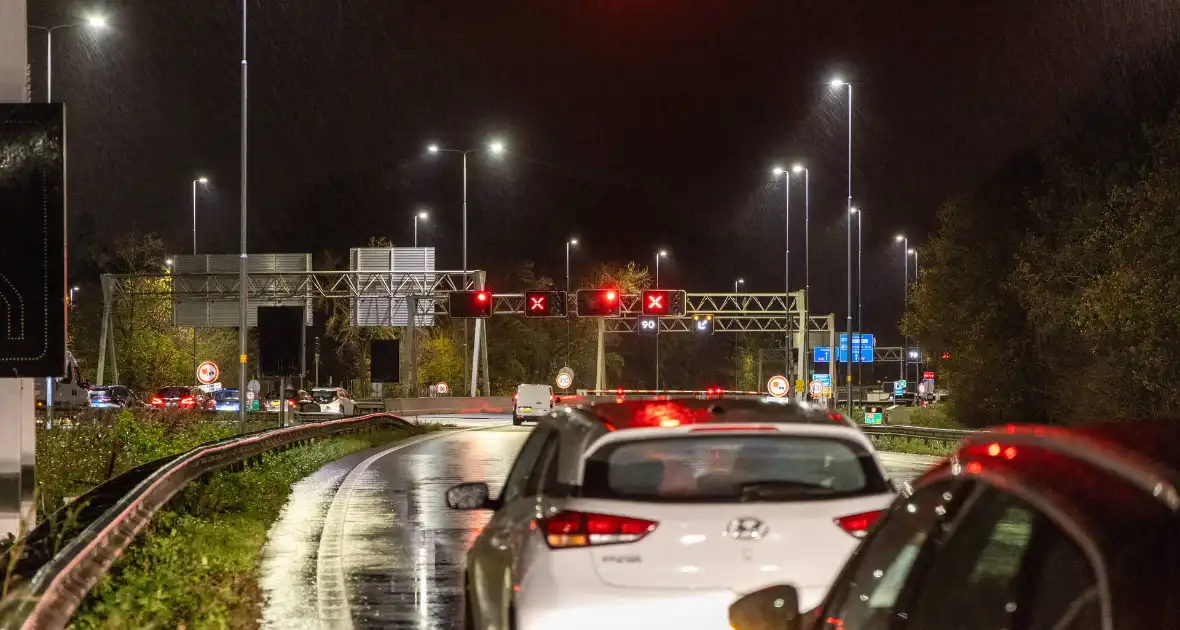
column 756, row 490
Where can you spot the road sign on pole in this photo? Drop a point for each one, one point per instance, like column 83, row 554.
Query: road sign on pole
column 441, row 388
column 777, row 386
column 565, row 378
column 207, row 373
column 816, row 388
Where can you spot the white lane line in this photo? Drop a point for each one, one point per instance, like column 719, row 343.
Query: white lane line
column 332, row 605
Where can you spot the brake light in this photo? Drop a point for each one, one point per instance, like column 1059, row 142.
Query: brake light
column 582, row 529
column 187, row 401
column 157, row 401
column 858, row 524
column 290, row 403
column 516, row 397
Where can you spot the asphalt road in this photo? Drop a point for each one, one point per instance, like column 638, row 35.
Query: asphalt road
column 368, row 542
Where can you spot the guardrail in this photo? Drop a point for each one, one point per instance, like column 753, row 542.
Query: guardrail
column 926, row 434
column 123, row 506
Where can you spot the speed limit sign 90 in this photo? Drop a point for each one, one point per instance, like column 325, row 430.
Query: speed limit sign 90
column 777, row 386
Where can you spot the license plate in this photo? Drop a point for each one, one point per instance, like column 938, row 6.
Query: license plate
column 526, row 409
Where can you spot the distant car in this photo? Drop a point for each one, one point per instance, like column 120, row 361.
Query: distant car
column 331, row 400
column 1022, row 527
column 226, row 400
column 661, row 513
column 296, row 398
column 531, row 401
column 113, row 397
column 181, row 397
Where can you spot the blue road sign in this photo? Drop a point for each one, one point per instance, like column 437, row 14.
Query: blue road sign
column 823, row 354
column 824, row 378
column 862, row 348
column 899, row 388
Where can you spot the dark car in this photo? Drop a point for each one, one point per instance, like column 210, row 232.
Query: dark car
column 296, row 399
column 226, row 400
column 181, row 397
column 1022, row 528
column 113, row 397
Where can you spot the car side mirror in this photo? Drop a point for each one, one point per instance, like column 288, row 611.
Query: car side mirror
column 471, row 496
column 772, row 608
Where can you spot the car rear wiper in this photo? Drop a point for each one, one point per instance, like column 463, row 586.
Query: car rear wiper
column 761, row 490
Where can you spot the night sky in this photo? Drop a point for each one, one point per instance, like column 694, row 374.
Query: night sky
column 633, row 124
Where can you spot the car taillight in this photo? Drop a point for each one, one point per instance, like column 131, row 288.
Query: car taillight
column 157, row 401
column 290, row 403
column 187, row 401
column 516, row 397
column 582, row 529
column 858, row 524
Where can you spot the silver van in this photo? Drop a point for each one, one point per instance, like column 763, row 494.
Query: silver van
column 531, row 401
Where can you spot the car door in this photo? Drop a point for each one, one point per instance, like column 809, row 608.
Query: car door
column 1006, row 564
column 865, row 594
column 492, row 557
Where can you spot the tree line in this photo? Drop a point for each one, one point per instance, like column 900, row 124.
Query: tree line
column 1051, row 290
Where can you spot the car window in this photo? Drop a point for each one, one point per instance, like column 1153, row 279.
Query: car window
column 865, row 595
column 726, row 467
column 544, row 475
column 988, row 573
column 526, row 461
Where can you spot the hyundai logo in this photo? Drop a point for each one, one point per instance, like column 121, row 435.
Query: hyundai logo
column 746, row 529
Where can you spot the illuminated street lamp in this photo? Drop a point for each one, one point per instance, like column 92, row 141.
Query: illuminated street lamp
column 94, row 23
column 905, row 244
column 423, row 215
column 806, row 319
column 860, row 322
column 660, row 254
column 736, row 283
column 569, row 243
column 202, row 181
column 838, row 83
column 495, row 147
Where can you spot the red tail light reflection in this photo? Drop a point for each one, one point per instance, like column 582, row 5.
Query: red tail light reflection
column 858, row 525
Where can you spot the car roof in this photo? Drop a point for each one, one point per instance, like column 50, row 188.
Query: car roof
column 673, row 411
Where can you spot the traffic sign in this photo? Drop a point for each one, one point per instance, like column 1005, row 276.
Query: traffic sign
column 702, row 324
column 862, row 348
column 777, row 386
column 207, row 373
column 33, row 267
column 899, row 387
column 662, row 302
column 647, row 325
column 544, row 303
column 254, row 386
column 816, row 388
column 250, row 395
column 565, row 378
column 873, row 415
column 599, row 303
column 799, row 385
column 823, row 354
column 441, row 388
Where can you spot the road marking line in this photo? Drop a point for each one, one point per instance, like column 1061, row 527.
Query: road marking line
column 330, row 575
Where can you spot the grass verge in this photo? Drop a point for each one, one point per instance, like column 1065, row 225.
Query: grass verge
column 195, row 565
column 911, row 446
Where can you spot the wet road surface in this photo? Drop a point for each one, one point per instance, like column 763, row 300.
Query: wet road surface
column 368, row 541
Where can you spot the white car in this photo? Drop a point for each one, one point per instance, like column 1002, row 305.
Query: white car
column 333, row 400
column 660, row 514
column 531, row 401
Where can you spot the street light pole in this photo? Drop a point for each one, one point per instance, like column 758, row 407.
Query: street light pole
column 787, row 274
column 496, row 148
column 905, row 259
column 837, row 83
column 568, row 244
column 660, row 254
column 860, row 322
column 243, row 274
column 422, row 214
column 196, row 361
column 736, row 283
column 806, row 319
column 96, row 22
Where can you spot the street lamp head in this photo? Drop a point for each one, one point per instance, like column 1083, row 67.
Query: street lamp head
column 432, row 148
column 573, row 241
column 97, row 22
column 168, row 261
column 853, row 210
column 778, row 170
column 740, row 281
column 496, row 147
column 909, row 251
column 422, row 214
column 837, row 82
column 899, row 238
column 663, row 253
column 798, row 168
column 202, row 180
column 73, row 288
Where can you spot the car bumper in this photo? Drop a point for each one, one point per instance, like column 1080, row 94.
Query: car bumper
column 534, row 412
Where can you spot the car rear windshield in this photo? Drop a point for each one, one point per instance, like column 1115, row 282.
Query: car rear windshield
column 731, row 469
column 223, row 395
column 174, row 392
column 323, row 395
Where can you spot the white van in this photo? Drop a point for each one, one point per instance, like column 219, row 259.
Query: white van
column 531, row 401
column 69, row 392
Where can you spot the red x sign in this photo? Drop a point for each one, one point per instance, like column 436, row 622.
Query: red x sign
column 537, row 303
column 655, row 302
